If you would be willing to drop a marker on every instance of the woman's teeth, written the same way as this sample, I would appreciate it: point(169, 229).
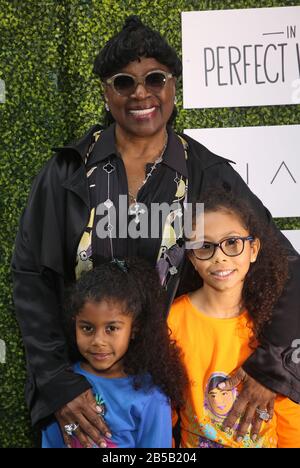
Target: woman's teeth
point(142, 112)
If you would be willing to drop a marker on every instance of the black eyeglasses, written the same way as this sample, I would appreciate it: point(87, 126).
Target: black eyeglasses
point(125, 84)
point(232, 247)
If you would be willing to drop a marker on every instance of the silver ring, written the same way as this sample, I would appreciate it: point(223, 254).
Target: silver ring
point(70, 428)
point(263, 414)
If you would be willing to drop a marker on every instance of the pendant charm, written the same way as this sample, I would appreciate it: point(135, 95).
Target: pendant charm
point(108, 203)
point(136, 210)
point(173, 270)
point(109, 168)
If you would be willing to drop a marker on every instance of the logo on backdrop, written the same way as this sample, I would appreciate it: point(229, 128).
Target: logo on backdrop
point(247, 57)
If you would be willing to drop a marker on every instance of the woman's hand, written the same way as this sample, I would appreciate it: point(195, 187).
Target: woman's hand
point(83, 410)
point(252, 397)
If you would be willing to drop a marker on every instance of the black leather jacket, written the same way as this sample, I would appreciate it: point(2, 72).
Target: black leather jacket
point(44, 260)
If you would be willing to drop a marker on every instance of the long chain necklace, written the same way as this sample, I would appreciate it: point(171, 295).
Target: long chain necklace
point(153, 167)
point(109, 168)
point(134, 207)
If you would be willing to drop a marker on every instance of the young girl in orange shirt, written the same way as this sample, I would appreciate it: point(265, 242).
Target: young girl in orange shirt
point(239, 274)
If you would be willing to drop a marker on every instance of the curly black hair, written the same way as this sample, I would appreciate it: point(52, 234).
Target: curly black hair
point(136, 286)
point(266, 277)
point(134, 41)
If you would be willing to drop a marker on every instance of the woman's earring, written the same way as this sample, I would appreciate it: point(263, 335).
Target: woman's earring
point(175, 100)
point(106, 107)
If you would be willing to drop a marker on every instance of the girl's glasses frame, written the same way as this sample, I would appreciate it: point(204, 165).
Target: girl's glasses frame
point(223, 245)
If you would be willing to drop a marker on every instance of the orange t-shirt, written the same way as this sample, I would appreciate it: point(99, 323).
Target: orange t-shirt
point(212, 349)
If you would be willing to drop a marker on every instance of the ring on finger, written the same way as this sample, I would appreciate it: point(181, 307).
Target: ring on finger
point(71, 428)
point(263, 414)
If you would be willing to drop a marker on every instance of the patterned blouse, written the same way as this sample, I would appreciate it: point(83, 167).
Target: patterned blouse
point(107, 180)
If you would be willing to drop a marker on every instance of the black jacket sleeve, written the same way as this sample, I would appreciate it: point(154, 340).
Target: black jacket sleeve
point(38, 282)
point(273, 363)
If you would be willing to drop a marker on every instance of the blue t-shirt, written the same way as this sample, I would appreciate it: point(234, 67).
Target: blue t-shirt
point(136, 418)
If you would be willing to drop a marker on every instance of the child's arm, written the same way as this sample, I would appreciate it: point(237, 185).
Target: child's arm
point(155, 430)
point(288, 423)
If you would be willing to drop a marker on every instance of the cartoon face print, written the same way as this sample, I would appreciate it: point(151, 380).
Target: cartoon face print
point(219, 402)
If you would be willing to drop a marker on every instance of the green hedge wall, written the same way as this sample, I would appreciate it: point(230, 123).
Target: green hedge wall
point(46, 55)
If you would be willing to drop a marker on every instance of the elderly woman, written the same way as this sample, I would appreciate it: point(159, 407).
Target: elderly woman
point(90, 203)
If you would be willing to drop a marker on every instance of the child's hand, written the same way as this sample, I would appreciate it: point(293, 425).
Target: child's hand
point(83, 411)
point(254, 399)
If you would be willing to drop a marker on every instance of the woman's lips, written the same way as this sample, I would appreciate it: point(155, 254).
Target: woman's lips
point(142, 114)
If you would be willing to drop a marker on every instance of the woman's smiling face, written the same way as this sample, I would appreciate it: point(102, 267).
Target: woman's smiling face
point(143, 113)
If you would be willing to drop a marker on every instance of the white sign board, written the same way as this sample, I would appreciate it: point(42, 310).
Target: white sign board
point(268, 159)
point(294, 238)
point(247, 57)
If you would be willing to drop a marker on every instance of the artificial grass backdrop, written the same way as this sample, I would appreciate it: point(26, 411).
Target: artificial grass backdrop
point(47, 50)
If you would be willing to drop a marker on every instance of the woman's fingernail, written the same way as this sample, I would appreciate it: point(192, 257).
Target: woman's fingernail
point(254, 437)
point(69, 446)
point(108, 435)
point(240, 439)
point(99, 409)
point(222, 385)
point(103, 445)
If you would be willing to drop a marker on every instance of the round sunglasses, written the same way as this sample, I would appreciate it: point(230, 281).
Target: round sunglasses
point(125, 84)
point(232, 247)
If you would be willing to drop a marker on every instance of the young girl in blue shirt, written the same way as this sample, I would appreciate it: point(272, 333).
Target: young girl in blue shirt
point(120, 343)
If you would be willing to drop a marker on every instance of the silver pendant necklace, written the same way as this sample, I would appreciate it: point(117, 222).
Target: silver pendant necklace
point(134, 207)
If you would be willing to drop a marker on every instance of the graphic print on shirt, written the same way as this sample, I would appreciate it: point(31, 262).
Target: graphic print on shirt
point(101, 405)
point(217, 405)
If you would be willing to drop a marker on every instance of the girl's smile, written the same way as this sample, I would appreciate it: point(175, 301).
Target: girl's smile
point(223, 275)
point(100, 356)
point(223, 271)
point(103, 333)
